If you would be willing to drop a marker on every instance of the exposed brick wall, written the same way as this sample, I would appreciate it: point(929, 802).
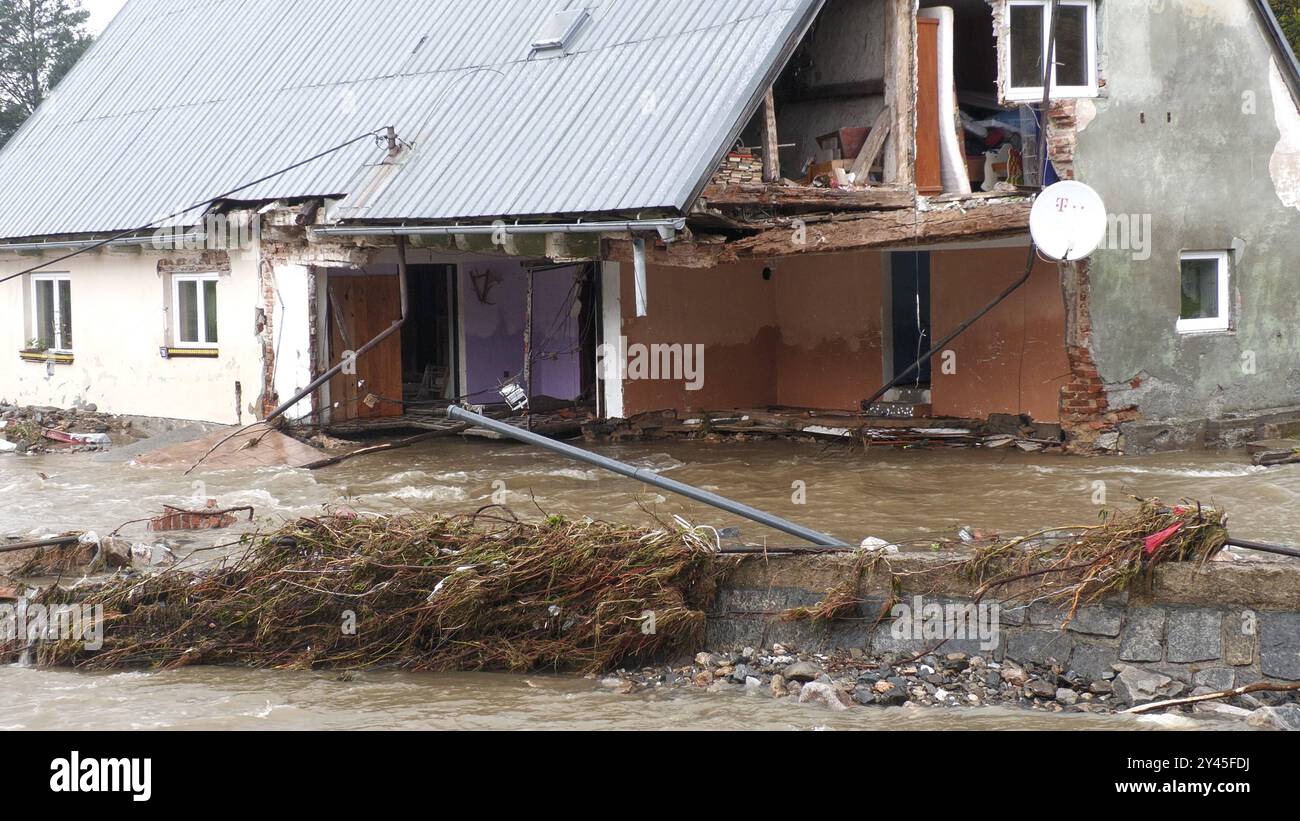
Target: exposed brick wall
point(1090, 422)
point(1063, 136)
point(270, 400)
point(177, 519)
point(197, 262)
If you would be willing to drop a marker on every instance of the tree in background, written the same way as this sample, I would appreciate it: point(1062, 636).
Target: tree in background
point(40, 40)
point(1288, 14)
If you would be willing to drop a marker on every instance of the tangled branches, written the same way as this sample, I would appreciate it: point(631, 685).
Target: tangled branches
point(415, 593)
point(1070, 568)
point(1120, 554)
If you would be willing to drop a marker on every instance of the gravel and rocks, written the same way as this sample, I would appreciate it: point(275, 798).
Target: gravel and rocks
point(850, 680)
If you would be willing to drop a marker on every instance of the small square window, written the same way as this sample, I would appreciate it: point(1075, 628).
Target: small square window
point(1030, 30)
point(1206, 293)
point(560, 29)
point(194, 306)
point(51, 313)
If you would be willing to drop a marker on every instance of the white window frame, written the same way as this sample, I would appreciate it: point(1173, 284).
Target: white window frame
point(177, 323)
point(1021, 94)
point(59, 347)
point(1223, 322)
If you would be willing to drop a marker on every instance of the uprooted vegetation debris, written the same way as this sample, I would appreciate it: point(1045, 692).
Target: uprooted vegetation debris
point(1071, 568)
point(420, 593)
point(471, 593)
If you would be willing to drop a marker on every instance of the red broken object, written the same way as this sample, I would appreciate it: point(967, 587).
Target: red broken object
point(210, 519)
point(1157, 541)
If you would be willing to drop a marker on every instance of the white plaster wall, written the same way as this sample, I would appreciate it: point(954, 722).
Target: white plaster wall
point(119, 316)
point(1284, 166)
point(292, 327)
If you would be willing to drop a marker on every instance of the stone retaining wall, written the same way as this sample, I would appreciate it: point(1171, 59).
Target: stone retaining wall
point(1224, 626)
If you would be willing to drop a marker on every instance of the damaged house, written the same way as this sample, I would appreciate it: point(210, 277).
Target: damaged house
point(763, 213)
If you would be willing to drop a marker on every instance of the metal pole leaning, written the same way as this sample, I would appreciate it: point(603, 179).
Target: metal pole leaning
point(647, 476)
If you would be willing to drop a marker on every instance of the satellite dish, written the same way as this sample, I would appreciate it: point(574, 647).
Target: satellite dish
point(1069, 221)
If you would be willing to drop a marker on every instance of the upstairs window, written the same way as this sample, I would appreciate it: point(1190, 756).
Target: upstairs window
point(1206, 293)
point(52, 313)
point(195, 310)
point(1030, 25)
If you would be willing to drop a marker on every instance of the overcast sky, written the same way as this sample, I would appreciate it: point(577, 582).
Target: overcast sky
point(101, 11)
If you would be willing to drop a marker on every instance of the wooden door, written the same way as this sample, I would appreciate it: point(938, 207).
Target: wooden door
point(929, 152)
point(360, 309)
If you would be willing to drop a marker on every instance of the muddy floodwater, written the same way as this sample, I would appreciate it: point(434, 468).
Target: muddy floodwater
point(903, 496)
point(247, 700)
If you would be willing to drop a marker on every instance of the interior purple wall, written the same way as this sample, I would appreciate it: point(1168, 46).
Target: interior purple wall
point(494, 330)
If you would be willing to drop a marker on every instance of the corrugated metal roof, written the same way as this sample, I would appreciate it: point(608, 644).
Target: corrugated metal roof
point(180, 100)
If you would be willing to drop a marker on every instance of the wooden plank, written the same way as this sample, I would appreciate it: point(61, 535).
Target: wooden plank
point(771, 141)
point(929, 146)
point(794, 198)
point(875, 144)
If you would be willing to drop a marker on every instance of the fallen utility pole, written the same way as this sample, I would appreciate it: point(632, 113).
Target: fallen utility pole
point(646, 475)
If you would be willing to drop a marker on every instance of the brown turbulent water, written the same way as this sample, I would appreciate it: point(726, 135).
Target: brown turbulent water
point(888, 494)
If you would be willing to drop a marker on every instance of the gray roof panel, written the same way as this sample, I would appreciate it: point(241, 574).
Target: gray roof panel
point(180, 100)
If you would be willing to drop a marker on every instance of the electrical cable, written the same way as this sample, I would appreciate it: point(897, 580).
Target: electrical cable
point(205, 204)
point(1049, 67)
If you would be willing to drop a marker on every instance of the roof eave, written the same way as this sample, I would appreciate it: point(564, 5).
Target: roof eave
point(1285, 53)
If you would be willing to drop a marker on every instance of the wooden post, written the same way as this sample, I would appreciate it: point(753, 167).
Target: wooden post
point(771, 143)
point(900, 90)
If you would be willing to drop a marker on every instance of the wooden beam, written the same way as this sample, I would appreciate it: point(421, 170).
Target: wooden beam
point(802, 199)
point(771, 141)
point(60, 541)
point(960, 221)
point(964, 221)
point(681, 254)
point(900, 89)
point(875, 144)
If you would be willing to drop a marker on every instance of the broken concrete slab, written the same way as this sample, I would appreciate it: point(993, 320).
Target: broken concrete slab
point(251, 449)
point(1275, 452)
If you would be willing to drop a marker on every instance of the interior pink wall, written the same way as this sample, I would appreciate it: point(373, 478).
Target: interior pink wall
point(494, 330)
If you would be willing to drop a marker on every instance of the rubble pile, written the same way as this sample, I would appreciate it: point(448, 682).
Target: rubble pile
point(53, 430)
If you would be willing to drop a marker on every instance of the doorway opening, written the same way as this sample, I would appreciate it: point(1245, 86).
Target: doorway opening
point(430, 338)
point(912, 333)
